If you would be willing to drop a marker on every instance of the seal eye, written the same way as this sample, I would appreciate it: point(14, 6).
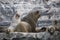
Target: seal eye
point(37, 11)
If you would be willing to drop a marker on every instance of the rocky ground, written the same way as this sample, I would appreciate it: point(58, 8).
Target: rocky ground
point(8, 9)
point(30, 36)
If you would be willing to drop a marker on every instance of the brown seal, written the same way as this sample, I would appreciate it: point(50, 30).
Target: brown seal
point(28, 23)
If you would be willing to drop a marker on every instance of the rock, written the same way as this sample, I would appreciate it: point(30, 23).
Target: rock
point(30, 36)
point(4, 23)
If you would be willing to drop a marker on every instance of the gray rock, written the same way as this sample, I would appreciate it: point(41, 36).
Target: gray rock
point(9, 7)
point(30, 36)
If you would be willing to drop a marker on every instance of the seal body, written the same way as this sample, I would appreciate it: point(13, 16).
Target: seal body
point(23, 27)
point(28, 23)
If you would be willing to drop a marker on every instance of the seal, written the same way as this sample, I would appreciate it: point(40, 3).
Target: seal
point(28, 23)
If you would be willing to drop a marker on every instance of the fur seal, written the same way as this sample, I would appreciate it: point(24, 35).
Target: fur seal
point(28, 23)
point(16, 20)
